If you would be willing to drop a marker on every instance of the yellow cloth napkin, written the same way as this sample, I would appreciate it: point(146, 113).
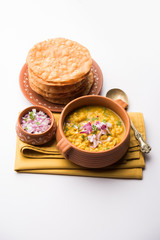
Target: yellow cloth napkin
point(47, 158)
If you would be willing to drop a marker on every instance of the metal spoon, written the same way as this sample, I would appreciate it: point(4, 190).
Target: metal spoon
point(115, 94)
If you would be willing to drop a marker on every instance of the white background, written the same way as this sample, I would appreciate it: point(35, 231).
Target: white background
point(124, 39)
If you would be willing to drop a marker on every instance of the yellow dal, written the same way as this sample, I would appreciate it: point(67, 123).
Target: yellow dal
point(74, 122)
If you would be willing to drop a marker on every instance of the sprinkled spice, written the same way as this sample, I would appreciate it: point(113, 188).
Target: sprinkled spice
point(35, 122)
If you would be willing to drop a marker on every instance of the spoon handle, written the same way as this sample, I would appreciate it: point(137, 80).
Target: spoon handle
point(145, 148)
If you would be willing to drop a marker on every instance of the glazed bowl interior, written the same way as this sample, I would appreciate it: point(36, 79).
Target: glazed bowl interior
point(38, 108)
point(96, 101)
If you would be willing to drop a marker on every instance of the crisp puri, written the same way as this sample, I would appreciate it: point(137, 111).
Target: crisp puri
point(50, 88)
point(60, 70)
point(59, 60)
point(67, 100)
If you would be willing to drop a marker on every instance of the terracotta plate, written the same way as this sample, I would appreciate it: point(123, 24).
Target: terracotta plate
point(36, 99)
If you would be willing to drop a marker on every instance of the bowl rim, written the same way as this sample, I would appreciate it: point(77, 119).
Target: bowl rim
point(60, 124)
point(44, 109)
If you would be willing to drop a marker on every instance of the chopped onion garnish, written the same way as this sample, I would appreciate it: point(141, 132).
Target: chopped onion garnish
point(92, 129)
point(87, 128)
point(93, 139)
point(109, 139)
point(109, 125)
point(35, 122)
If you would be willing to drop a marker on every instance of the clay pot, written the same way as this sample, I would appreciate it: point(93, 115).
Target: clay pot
point(36, 139)
point(93, 159)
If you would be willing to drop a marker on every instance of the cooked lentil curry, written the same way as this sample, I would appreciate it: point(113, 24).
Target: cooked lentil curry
point(94, 128)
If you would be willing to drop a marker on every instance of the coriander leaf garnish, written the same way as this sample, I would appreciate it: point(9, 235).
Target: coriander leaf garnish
point(106, 114)
point(119, 123)
point(31, 115)
point(83, 136)
point(94, 118)
point(94, 129)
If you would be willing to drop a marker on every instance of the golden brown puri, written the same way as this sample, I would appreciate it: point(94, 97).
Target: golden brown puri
point(67, 100)
point(59, 60)
point(55, 88)
point(60, 70)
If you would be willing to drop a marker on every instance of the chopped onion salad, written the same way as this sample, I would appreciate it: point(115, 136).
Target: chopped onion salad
point(94, 128)
point(35, 122)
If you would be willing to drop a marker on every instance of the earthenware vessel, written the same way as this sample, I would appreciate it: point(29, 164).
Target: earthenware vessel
point(93, 159)
point(36, 139)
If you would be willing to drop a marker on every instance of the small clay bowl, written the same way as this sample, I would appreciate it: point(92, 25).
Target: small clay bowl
point(93, 159)
point(36, 139)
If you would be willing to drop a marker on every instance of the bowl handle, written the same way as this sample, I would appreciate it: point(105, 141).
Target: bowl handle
point(64, 147)
point(122, 103)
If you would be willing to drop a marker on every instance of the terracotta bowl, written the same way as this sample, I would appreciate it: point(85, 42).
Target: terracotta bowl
point(36, 139)
point(93, 159)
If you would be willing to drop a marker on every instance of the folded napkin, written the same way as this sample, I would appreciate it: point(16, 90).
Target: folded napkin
point(47, 158)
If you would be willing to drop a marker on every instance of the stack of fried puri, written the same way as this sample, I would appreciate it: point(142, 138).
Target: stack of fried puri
point(60, 70)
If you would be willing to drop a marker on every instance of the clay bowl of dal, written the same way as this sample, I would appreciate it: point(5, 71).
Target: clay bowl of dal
point(36, 125)
point(92, 140)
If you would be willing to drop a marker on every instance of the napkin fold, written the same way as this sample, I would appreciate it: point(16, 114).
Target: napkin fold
point(47, 159)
